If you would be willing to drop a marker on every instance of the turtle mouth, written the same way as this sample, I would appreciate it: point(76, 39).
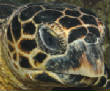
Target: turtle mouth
point(44, 77)
point(58, 79)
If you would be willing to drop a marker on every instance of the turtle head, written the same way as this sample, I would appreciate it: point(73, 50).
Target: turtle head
point(59, 51)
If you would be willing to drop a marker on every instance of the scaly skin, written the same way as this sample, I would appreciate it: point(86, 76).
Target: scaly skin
point(8, 80)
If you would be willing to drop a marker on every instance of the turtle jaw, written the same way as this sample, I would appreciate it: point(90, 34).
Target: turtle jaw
point(48, 78)
point(52, 79)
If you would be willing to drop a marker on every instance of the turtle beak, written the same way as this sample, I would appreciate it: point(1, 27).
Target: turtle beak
point(49, 77)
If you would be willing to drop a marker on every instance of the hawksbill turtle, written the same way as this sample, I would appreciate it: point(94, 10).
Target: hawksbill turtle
point(48, 45)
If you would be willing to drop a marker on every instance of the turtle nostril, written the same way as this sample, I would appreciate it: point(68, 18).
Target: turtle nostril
point(46, 78)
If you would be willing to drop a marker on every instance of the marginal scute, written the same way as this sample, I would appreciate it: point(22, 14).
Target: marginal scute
point(16, 28)
point(27, 45)
point(69, 22)
point(24, 62)
point(76, 33)
point(29, 28)
point(87, 19)
point(72, 13)
point(48, 16)
point(27, 13)
point(40, 57)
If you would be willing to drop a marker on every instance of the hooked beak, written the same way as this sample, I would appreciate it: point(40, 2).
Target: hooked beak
point(49, 77)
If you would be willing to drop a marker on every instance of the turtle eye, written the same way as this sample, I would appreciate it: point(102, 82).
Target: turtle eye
point(49, 39)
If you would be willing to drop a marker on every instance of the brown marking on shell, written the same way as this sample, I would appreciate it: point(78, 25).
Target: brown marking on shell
point(87, 69)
